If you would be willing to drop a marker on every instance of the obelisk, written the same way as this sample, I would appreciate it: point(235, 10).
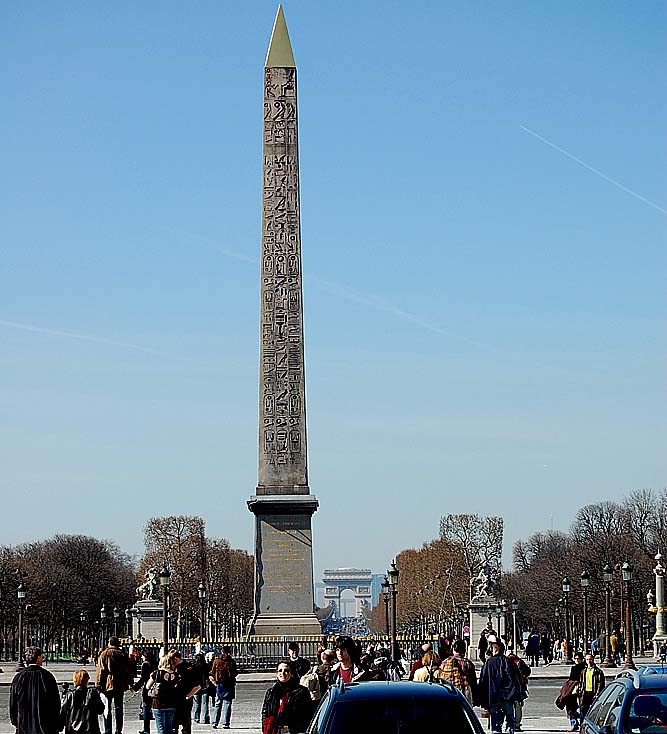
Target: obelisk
point(283, 506)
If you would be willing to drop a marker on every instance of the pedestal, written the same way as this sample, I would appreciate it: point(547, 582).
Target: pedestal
point(151, 620)
point(284, 603)
point(479, 610)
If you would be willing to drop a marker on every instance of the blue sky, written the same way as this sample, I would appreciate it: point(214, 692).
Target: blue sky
point(483, 216)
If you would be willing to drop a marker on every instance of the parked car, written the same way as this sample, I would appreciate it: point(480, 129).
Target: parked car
point(389, 707)
point(633, 703)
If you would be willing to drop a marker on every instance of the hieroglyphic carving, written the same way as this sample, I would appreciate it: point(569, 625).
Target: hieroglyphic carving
point(282, 415)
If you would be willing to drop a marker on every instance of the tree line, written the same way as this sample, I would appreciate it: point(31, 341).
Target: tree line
point(68, 579)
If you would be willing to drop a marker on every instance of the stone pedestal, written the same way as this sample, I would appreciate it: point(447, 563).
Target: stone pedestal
point(284, 603)
point(479, 610)
point(151, 620)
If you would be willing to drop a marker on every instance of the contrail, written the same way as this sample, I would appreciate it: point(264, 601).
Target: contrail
point(604, 176)
point(95, 339)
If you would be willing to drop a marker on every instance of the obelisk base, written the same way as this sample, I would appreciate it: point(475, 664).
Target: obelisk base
point(284, 565)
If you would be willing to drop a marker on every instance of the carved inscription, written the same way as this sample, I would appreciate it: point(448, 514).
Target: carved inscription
point(282, 440)
point(286, 561)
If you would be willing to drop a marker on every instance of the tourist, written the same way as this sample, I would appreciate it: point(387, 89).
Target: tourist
point(34, 698)
point(201, 671)
point(223, 675)
point(460, 672)
point(147, 667)
point(567, 698)
point(81, 707)
point(417, 657)
point(499, 688)
point(187, 685)
point(524, 674)
point(115, 675)
point(300, 665)
point(430, 662)
point(347, 668)
point(287, 704)
point(591, 682)
point(323, 670)
point(163, 691)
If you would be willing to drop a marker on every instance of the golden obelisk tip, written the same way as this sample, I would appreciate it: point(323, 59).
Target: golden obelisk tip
point(280, 48)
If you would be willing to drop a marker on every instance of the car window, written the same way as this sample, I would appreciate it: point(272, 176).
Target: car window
point(319, 714)
point(411, 716)
point(614, 714)
point(598, 711)
point(648, 713)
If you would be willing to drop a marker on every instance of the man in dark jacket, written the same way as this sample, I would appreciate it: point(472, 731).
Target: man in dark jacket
point(34, 698)
point(300, 665)
point(591, 682)
point(223, 674)
point(115, 674)
point(499, 687)
point(189, 682)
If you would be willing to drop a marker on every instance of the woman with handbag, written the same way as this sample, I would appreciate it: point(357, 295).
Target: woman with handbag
point(163, 690)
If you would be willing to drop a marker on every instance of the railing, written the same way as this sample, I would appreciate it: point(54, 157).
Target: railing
point(260, 653)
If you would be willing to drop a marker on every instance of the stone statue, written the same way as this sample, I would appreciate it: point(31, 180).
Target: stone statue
point(484, 584)
point(149, 589)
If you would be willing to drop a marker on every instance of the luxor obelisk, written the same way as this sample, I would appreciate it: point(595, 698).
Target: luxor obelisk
point(283, 506)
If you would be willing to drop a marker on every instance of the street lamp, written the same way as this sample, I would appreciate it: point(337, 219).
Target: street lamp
point(626, 573)
point(164, 583)
point(392, 575)
point(201, 592)
point(136, 612)
point(585, 580)
point(116, 617)
point(500, 609)
point(565, 585)
point(557, 616)
point(21, 595)
point(515, 607)
point(128, 621)
point(607, 576)
point(103, 623)
point(385, 596)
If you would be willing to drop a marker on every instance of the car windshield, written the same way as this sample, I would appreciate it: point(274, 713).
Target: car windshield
point(400, 717)
point(648, 713)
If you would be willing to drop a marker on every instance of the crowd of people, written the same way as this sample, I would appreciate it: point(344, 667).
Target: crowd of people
point(175, 691)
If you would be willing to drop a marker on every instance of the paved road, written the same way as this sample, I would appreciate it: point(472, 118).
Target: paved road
point(540, 714)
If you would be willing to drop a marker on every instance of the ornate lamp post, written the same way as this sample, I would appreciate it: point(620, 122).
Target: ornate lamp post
point(165, 575)
point(660, 608)
point(21, 595)
point(585, 580)
point(565, 585)
point(515, 608)
point(116, 619)
point(607, 576)
point(201, 593)
point(103, 624)
point(385, 596)
point(557, 617)
point(128, 621)
point(626, 572)
point(136, 613)
point(392, 575)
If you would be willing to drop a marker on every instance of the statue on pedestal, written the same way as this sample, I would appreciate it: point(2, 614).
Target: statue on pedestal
point(149, 589)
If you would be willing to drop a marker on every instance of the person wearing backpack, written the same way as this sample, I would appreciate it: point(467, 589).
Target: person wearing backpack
point(223, 675)
point(524, 674)
point(499, 687)
point(81, 707)
point(163, 690)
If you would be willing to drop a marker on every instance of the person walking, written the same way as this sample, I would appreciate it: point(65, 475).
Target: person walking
point(186, 686)
point(460, 672)
point(223, 675)
point(287, 704)
point(115, 675)
point(201, 672)
point(81, 707)
point(347, 668)
point(163, 691)
point(430, 663)
point(591, 682)
point(499, 688)
point(300, 665)
point(34, 698)
point(524, 674)
point(147, 667)
point(568, 698)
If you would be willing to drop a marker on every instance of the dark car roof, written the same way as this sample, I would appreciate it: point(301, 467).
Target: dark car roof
point(397, 690)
